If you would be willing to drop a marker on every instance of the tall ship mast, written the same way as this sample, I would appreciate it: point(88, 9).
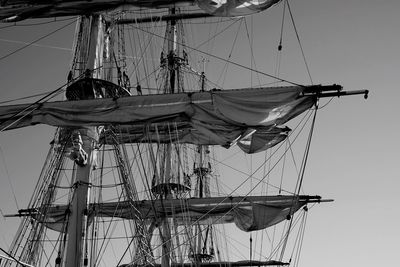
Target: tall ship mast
point(131, 177)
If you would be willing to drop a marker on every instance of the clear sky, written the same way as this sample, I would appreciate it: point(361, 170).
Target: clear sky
point(354, 154)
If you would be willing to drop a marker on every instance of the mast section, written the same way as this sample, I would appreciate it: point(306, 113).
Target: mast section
point(93, 43)
point(86, 139)
point(172, 180)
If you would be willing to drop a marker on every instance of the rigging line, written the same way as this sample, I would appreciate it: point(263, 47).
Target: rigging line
point(266, 190)
point(35, 24)
point(103, 245)
point(306, 117)
point(232, 241)
point(194, 223)
point(13, 258)
point(37, 40)
point(37, 45)
point(22, 111)
point(253, 59)
point(239, 242)
point(283, 167)
point(246, 195)
point(26, 97)
point(247, 174)
point(293, 157)
point(300, 181)
point(54, 245)
point(298, 184)
point(279, 52)
point(224, 60)
point(153, 207)
point(8, 26)
point(307, 149)
point(298, 39)
point(140, 52)
point(37, 103)
point(326, 104)
point(297, 236)
point(211, 38)
point(240, 185)
point(261, 180)
point(283, 21)
point(230, 52)
point(8, 177)
point(282, 240)
point(303, 230)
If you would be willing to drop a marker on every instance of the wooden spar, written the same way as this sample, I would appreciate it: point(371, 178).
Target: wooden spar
point(331, 91)
point(167, 203)
point(169, 17)
point(217, 264)
point(344, 93)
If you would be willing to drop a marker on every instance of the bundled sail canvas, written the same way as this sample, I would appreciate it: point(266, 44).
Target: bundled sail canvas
point(13, 10)
point(204, 118)
point(249, 213)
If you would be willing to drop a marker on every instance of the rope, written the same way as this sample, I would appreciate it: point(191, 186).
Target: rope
point(37, 40)
point(23, 98)
point(37, 45)
point(283, 20)
point(298, 39)
point(225, 60)
point(301, 178)
point(35, 24)
point(8, 178)
point(225, 69)
point(35, 105)
point(307, 149)
point(12, 257)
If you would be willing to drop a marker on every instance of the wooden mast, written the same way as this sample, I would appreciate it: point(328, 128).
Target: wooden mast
point(75, 255)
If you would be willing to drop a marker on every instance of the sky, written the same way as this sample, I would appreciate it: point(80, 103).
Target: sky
point(354, 155)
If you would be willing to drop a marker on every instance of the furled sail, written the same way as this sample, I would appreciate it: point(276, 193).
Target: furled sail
point(216, 264)
point(16, 10)
point(206, 118)
point(227, 8)
point(250, 213)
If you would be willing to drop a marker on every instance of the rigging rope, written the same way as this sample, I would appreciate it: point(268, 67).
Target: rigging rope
point(37, 40)
point(223, 59)
point(37, 45)
point(298, 39)
point(33, 106)
point(291, 220)
point(283, 20)
point(300, 180)
point(53, 20)
point(301, 239)
point(22, 98)
point(225, 69)
point(283, 240)
point(8, 177)
point(253, 59)
point(306, 153)
point(279, 52)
